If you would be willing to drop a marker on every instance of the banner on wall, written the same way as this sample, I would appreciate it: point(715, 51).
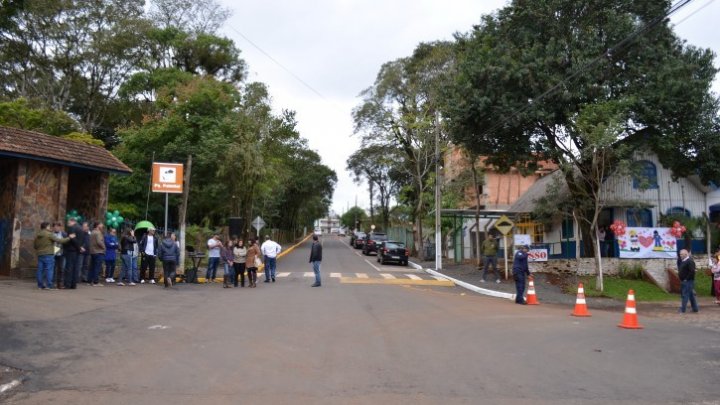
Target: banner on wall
point(647, 243)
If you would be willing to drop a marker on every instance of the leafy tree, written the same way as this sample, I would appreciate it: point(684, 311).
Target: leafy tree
point(353, 218)
point(22, 114)
point(71, 55)
point(399, 113)
point(377, 164)
point(196, 16)
point(513, 57)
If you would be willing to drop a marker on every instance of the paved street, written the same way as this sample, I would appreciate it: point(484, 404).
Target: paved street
point(399, 337)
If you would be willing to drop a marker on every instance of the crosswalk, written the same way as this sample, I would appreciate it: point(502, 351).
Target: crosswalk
point(371, 278)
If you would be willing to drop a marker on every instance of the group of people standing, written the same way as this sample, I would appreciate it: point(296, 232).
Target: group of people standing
point(238, 259)
point(76, 254)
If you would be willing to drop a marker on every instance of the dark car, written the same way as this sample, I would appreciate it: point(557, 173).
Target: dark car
point(391, 251)
point(371, 241)
point(357, 240)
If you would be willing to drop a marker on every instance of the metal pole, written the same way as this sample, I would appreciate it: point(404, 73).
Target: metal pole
point(166, 212)
point(438, 235)
point(147, 201)
point(505, 253)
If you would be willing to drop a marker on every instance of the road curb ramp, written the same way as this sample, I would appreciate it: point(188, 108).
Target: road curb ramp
point(531, 296)
point(630, 321)
point(580, 303)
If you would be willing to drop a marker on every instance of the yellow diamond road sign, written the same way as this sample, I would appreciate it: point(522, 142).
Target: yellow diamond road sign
point(504, 225)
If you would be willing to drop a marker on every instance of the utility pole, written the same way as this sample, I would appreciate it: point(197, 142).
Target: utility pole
point(183, 212)
point(438, 235)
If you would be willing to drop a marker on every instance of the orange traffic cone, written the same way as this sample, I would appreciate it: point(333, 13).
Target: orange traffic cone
point(631, 320)
point(580, 305)
point(531, 297)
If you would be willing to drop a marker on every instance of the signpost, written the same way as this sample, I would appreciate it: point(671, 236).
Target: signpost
point(258, 223)
point(505, 225)
point(167, 178)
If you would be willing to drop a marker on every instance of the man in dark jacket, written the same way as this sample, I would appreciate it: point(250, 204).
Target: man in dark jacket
point(148, 251)
point(315, 259)
point(686, 272)
point(72, 253)
point(520, 270)
point(169, 255)
point(84, 260)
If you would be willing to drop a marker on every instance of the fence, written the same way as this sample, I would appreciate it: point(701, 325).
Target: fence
point(401, 234)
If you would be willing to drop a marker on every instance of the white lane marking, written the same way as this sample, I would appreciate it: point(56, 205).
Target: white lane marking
point(387, 276)
point(372, 265)
point(158, 327)
point(440, 278)
point(7, 387)
point(283, 274)
point(413, 277)
point(336, 275)
point(358, 254)
point(361, 275)
point(309, 274)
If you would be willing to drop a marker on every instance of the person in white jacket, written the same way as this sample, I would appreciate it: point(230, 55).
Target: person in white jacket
point(270, 250)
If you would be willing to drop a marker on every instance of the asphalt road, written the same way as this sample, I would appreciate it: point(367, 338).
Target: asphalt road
point(340, 343)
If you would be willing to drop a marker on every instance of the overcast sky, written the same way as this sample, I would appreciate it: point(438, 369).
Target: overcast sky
point(336, 47)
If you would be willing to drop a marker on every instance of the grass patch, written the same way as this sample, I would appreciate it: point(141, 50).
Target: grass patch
point(618, 288)
point(702, 283)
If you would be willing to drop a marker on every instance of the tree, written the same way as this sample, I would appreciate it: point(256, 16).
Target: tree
point(196, 16)
point(71, 55)
point(22, 114)
point(507, 62)
point(398, 113)
point(353, 218)
point(377, 164)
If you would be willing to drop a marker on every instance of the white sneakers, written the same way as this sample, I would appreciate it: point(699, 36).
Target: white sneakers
point(498, 281)
point(152, 281)
point(120, 284)
point(131, 284)
point(142, 281)
point(109, 280)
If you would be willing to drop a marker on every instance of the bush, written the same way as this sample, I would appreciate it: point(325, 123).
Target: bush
point(630, 272)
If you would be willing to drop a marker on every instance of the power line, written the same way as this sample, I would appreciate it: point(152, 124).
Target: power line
point(693, 13)
point(275, 61)
point(607, 54)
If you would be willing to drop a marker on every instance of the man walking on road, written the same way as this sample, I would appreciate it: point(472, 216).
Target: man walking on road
point(214, 245)
point(315, 259)
point(270, 250)
point(489, 251)
point(520, 270)
point(686, 272)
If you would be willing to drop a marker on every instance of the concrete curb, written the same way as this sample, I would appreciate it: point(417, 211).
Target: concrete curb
point(468, 286)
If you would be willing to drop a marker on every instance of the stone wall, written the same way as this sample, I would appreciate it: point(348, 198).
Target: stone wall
point(654, 269)
point(88, 194)
point(39, 192)
point(8, 185)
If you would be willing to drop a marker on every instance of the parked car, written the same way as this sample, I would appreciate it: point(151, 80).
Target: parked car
point(341, 232)
point(318, 231)
point(371, 241)
point(357, 240)
point(392, 251)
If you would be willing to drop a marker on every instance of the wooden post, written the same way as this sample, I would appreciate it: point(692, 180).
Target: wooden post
point(183, 214)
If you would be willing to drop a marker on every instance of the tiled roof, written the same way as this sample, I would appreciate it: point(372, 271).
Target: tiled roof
point(36, 146)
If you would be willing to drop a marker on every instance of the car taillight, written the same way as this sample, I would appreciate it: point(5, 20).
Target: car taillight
point(407, 252)
point(370, 242)
point(385, 250)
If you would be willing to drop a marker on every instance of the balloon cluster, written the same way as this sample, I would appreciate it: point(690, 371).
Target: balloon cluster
point(618, 227)
point(73, 214)
point(677, 229)
point(114, 219)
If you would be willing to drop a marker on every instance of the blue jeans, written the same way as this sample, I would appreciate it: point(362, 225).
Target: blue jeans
point(229, 271)
point(129, 269)
point(46, 267)
point(96, 262)
point(687, 292)
point(109, 268)
point(212, 268)
point(487, 261)
point(270, 266)
point(316, 269)
point(519, 287)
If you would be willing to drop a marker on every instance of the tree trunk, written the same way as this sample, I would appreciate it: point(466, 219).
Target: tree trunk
point(183, 214)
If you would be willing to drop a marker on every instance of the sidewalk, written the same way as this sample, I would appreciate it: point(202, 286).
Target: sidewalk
point(549, 293)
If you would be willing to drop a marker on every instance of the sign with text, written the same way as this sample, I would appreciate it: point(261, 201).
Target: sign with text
point(538, 255)
point(647, 243)
point(167, 178)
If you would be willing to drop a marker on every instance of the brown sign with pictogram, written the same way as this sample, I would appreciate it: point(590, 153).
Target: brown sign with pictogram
point(167, 178)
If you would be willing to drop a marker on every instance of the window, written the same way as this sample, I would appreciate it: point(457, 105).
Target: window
point(646, 177)
point(679, 211)
point(639, 217)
